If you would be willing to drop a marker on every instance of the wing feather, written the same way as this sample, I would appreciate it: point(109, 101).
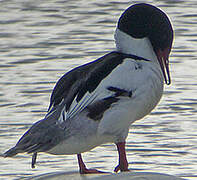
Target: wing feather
point(76, 88)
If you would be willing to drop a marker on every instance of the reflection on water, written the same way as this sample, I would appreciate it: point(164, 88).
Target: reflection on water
point(41, 40)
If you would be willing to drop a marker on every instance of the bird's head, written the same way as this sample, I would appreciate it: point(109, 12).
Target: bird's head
point(144, 20)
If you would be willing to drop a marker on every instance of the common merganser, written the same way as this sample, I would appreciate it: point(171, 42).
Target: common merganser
point(96, 103)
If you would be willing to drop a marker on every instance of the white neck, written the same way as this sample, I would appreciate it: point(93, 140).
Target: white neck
point(139, 47)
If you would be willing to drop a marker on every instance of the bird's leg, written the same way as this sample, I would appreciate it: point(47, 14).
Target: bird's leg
point(83, 169)
point(123, 164)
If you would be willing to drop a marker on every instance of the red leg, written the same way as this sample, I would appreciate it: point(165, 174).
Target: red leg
point(123, 164)
point(83, 169)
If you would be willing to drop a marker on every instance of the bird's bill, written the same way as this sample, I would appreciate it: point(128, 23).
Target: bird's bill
point(162, 56)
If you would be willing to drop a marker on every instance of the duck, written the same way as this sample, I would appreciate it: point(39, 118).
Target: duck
point(97, 102)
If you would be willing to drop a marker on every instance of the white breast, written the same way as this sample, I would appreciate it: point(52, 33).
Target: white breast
point(146, 84)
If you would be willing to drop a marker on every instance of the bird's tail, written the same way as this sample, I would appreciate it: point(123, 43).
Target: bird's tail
point(11, 152)
point(14, 151)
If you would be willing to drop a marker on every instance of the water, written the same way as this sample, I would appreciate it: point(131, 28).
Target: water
point(41, 40)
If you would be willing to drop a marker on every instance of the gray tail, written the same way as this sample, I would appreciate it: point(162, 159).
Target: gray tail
point(11, 152)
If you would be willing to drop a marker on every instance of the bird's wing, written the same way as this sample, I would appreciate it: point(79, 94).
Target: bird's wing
point(79, 88)
point(82, 88)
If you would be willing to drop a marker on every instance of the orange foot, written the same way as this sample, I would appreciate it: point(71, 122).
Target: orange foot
point(119, 168)
point(90, 171)
point(83, 169)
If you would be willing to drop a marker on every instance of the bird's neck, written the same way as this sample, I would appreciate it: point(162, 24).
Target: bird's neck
point(139, 47)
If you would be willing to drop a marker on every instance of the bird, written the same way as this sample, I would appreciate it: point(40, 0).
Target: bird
point(96, 103)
